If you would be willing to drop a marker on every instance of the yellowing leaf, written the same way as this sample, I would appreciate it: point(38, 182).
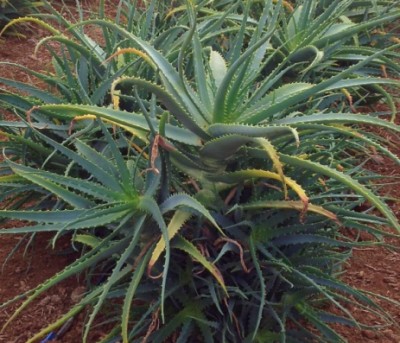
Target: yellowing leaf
point(295, 205)
point(178, 219)
point(183, 244)
point(131, 51)
point(273, 154)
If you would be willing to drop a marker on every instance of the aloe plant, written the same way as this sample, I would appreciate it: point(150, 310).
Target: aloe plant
point(213, 178)
point(10, 10)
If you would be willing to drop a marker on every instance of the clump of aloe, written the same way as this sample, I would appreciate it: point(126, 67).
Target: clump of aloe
point(204, 158)
point(10, 10)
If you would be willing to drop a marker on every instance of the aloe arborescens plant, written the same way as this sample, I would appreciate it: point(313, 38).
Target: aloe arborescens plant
point(230, 166)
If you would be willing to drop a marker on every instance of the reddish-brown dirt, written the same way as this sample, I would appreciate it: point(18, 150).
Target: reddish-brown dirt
point(26, 270)
point(373, 269)
point(377, 269)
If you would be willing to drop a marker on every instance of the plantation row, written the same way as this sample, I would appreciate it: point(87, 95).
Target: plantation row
point(205, 157)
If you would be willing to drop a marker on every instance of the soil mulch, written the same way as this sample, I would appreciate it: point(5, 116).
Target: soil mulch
point(373, 269)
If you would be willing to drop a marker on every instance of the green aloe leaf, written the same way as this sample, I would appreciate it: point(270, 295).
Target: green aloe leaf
point(339, 118)
point(120, 267)
point(150, 206)
point(295, 205)
point(68, 196)
point(82, 186)
point(121, 118)
point(268, 131)
point(346, 180)
point(130, 293)
point(183, 244)
point(169, 101)
point(33, 91)
point(179, 218)
point(218, 67)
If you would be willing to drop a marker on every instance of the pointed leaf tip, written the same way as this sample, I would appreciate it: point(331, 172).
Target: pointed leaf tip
point(218, 67)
